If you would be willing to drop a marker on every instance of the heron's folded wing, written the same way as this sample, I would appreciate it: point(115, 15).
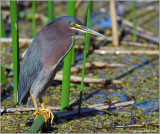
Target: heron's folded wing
point(30, 68)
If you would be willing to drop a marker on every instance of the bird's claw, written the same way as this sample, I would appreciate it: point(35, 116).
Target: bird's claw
point(47, 114)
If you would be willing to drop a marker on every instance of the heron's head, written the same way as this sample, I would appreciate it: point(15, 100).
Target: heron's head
point(76, 26)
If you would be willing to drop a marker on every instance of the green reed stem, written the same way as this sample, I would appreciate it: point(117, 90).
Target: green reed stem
point(15, 46)
point(90, 4)
point(134, 21)
point(84, 61)
point(37, 124)
point(3, 77)
point(67, 66)
point(71, 12)
point(73, 52)
point(33, 19)
point(50, 10)
point(3, 34)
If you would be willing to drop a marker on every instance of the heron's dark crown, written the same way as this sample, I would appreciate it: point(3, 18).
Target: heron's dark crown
point(67, 19)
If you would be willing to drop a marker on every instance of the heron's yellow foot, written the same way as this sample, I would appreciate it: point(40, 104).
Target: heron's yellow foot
point(36, 113)
point(47, 114)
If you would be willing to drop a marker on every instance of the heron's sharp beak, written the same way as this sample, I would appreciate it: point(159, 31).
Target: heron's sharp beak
point(87, 30)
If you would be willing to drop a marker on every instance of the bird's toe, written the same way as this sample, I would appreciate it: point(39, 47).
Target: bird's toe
point(47, 114)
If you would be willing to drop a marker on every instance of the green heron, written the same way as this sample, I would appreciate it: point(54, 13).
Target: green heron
point(42, 58)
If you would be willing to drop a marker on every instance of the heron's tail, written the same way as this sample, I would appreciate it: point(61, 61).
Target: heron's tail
point(24, 100)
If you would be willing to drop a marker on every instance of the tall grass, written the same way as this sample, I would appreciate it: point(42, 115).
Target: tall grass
point(134, 21)
point(87, 40)
point(3, 76)
point(33, 19)
point(51, 10)
point(15, 46)
point(90, 4)
point(67, 66)
point(3, 34)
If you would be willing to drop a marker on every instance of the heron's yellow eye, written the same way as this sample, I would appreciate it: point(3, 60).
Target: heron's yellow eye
point(75, 25)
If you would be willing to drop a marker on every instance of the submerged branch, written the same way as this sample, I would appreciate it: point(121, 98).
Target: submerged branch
point(147, 52)
point(94, 64)
point(77, 79)
point(10, 110)
point(137, 44)
point(130, 25)
point(143, 35)
point(66, 113)
point(137, 126)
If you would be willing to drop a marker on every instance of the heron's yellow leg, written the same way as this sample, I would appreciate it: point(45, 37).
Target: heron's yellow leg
point(36, 113)
point(47, 112)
